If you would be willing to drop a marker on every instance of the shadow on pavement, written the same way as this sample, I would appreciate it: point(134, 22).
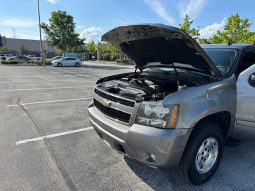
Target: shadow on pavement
point(158, 179)
point(236, 172)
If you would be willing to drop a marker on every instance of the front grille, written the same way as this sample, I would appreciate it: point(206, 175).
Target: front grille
point(113, 113)
point(115, 99)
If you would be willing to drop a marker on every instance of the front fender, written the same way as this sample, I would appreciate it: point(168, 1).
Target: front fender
point(199, 102)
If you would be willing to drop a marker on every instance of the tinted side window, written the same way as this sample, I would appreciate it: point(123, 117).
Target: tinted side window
point(247, 61)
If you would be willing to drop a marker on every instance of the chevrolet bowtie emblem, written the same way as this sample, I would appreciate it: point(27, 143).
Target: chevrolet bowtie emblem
point(107, 103)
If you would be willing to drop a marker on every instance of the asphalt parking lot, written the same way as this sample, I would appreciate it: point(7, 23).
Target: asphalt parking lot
point(46, 142)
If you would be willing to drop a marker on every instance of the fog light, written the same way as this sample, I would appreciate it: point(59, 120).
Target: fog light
point(153, 157)
point(150, 157)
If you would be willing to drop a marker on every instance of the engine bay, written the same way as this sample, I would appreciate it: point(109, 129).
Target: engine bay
point(148, 86)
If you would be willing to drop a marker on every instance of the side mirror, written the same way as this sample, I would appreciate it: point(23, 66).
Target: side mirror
point(252, 80)
point(253, 77)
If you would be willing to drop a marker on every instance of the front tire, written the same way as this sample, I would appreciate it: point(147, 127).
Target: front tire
point(77, 64)
point(202, 154)
point(59, 64)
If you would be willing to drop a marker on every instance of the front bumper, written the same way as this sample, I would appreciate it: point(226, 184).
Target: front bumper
point(53, 63)
point(139, 142)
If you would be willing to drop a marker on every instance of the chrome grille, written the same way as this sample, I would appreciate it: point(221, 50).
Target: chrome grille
point(115, 99)
point(113, 113)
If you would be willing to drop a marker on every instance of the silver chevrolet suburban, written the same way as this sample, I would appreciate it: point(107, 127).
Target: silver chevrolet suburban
point(181, 104)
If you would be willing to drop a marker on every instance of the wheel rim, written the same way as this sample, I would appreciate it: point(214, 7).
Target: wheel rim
point(207, 155)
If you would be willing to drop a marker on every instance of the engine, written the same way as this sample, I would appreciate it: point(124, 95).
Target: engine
point(147, 86)
point(138, 88)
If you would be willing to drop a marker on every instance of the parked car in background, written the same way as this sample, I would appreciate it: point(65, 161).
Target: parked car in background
point(182, 103)
point(5, 56)
point(67, 61)
point(54, 58)
point(33, 57)
point(71, 54)
point(93, 58)
point(19, 58)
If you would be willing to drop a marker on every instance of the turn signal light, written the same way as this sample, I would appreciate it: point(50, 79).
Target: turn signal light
point(173, 116)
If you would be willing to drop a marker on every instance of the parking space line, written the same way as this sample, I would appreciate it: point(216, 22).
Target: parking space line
point(53, 135)
point(51, 101)
point(78, 74)
point(38, 81)
point(29, 89)
point(42, 76)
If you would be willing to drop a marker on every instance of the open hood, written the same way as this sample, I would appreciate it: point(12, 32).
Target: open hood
point(155, 43)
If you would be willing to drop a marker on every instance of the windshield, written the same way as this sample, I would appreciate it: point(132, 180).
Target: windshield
point(222, 58)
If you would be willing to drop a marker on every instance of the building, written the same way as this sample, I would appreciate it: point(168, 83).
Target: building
point(32, 46)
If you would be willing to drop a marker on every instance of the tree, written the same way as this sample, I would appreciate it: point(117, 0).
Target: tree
point(60, 32)
point(107, 51)
point(91, 47)
point(251, 38)
point(186, 26)
point(112, 49)
point(203, 41)
point(4, 50)
point(235, 31)
point(22, 50)
point(102, 50)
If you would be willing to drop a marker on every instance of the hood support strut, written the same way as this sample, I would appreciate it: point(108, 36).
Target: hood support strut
point(177, 75)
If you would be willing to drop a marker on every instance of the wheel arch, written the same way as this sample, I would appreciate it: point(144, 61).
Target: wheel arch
point(223, 119)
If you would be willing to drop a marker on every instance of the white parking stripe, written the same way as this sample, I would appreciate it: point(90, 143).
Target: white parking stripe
point(38, 81)
point(44, 76)
point(29, 89)
point(78, 74)
point(53, 135)
point(51, 101)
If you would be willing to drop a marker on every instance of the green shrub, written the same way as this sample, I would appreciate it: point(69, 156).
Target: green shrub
point(124, 61)
point(39, 62)
point(9, 62)
point(45, 62)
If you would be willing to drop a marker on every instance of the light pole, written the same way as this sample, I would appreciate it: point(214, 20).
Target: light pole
point(39, 22)
point(16, 44)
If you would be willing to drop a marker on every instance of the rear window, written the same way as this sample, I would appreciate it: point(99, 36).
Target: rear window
point(223, 58)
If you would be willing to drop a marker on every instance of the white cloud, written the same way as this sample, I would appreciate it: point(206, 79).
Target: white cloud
point(53, 1)
point(192, 8)
point(19, 22)
point(160, 10)
point(210, 30)
point(91, 33)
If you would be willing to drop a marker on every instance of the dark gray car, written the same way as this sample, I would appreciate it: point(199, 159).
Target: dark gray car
point(182, 102)
point(19, 58)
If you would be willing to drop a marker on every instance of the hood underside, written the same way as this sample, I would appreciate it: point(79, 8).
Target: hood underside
point(155, 43)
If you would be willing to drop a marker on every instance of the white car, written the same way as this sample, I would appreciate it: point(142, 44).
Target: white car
point(33, 57)
point(67, 61)
point(54, 58)
point(5, 56)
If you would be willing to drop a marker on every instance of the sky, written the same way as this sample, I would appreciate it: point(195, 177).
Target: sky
point(95, 17)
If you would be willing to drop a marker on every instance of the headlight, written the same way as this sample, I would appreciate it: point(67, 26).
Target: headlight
point(157, 115)
point(147, 110)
